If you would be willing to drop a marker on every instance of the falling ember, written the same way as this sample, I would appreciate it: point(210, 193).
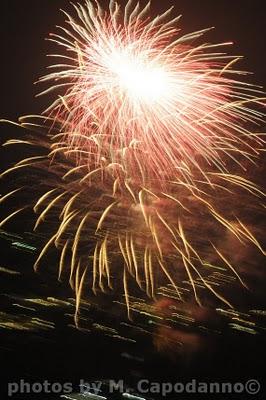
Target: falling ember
point(145, 136)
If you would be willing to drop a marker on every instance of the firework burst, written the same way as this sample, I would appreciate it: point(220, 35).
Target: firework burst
point(142, 137)
point(145, 100)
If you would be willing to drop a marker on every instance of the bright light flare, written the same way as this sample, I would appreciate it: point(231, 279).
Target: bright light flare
point(141, 80)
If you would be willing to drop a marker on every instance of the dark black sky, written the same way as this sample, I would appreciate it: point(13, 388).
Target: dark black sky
point(26, 23)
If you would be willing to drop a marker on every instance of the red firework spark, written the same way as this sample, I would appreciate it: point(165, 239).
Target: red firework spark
point(145, 100)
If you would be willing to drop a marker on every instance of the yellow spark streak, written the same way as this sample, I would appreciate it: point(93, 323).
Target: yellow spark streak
point(206, 284)
point(182, 236)
point(128, 254)
point(95, 257)
point(66, 221)
point(251, 237)
point(79, 294)
point(177, 201)
point(126, 294)
point(135, 262)
point(242, 182)
point(142, 206)
point(130, 191)
point(15, 168)
point(101, 268)
point(166, 224)
point(2, 223)
point(42, 198)
point(66, 209)
point(146, 270)
point(186, 261)
point(151, 276)
point(16, 141)
point(228, 65)
point(73, 170)
point(154, 234)
point(123, 251)
point(44, 250)
point(2, 199)
point(106, 263)
point(169, 277)
point(229, 265)
point(75, 246)
point(104, 215)
point(62, 260)
point(227, 224)
point(115, 186)
point(26, 160)
point(90, 174)
point(48, 208)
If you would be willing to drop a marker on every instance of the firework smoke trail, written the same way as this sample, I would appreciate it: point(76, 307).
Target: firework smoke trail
point(140, 142)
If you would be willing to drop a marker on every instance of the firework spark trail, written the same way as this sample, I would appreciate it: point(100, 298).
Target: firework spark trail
point(140, 98)
point(139, 146)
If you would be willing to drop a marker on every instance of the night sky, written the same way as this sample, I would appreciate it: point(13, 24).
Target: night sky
point(24, 26)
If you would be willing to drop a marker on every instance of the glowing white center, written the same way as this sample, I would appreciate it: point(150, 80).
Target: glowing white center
point(142, 80)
